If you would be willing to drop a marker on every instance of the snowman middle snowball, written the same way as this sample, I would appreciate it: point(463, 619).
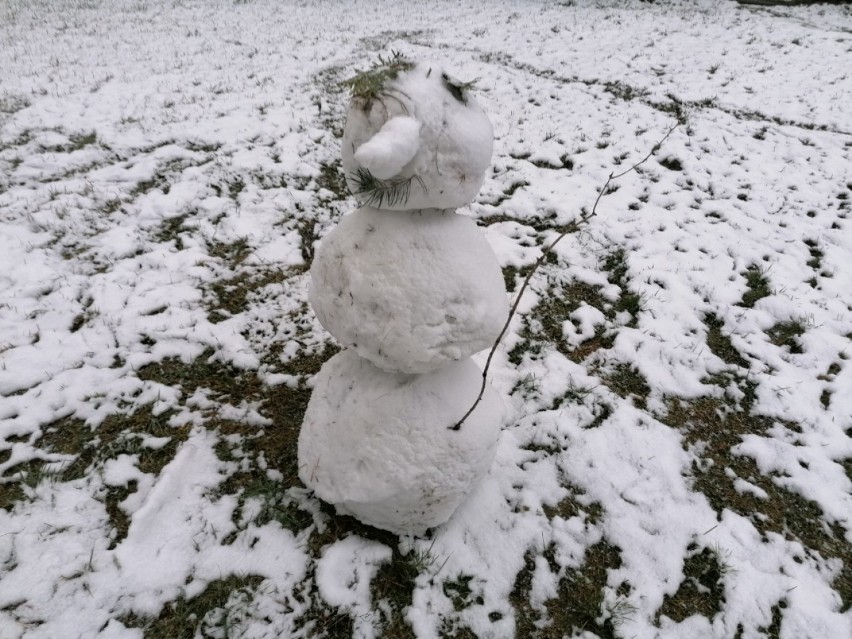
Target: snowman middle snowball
point(409, 291)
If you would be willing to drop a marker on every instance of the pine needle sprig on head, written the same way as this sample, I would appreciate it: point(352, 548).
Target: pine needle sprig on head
point(371, 84)
point(375, 192)
point(457, 88)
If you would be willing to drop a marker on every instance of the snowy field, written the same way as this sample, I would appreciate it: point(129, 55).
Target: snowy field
point(677, 460)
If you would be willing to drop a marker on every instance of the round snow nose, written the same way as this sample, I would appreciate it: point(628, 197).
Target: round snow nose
point(386, 153)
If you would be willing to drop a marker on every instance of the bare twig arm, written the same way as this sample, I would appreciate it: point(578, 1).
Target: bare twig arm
point(574, 226)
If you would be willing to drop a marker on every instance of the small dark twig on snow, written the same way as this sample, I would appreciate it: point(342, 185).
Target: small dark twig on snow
point(571, 228)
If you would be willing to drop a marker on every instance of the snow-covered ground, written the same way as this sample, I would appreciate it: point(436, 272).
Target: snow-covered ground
point(678, 457)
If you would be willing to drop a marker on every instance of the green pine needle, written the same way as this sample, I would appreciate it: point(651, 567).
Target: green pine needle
point(370, 85)
point(459, 90)
point(376, 192)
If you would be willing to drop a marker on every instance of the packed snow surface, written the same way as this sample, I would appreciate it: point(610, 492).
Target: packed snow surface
point(381, 446)
point(411, 291)
point(676, 456)
point(442, 169)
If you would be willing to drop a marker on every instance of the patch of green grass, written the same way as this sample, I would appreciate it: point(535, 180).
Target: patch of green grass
point(727, 379)
point(332, 179)
point(702, 590)
point(284, 406)
point(720, 344)
point(392, 589)
point(87, 314)
point(833, 369)
point(451, 630)
point(674, 107)
point(545, 222)
point(579, 604)
point(528, 618)
point(111, 205)
point(231, 296)
point(603, 412)
point(24, 137)
point(459, 592)
point(758, 286)
point(616, 265)
point(12, 492)
point(163, 176)
point(118, 434)
point(624, 91)
point(328, 101)
point(569, 507)
point(307, 234)
point(233, 186)
point(74, 437)
point(12, 103)
point(543, 324)
point(512, 273)
point(119, 520)
point(81, 140)
point(773, 630)
point(232, 253)
point(158, 181)
point(80, 321)
point(601, 340)
point(816, 255)
point(556, 309)
point(671, 163)
point(122, 434)
point(236, 186)
point(786, 334)
point(717, 427)
point(201, 615)
point(309, 362)
point(573, 394)
point(170, 231)
point(91, 447)
point(324, 622)
point(547, 164)
point(508, 192)
point(628, 381)
point(255, 484)
point(276, 444)
point(199, 146)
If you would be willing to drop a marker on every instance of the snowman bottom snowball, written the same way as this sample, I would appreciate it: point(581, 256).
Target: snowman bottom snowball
point(378, 445)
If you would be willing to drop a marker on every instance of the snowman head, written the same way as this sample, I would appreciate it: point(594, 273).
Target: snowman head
point(414, 138)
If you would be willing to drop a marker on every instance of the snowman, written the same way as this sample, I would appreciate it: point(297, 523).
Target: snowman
point(411, 289)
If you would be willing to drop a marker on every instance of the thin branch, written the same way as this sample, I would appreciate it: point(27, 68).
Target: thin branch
point(571, 228)
point(653, 150)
